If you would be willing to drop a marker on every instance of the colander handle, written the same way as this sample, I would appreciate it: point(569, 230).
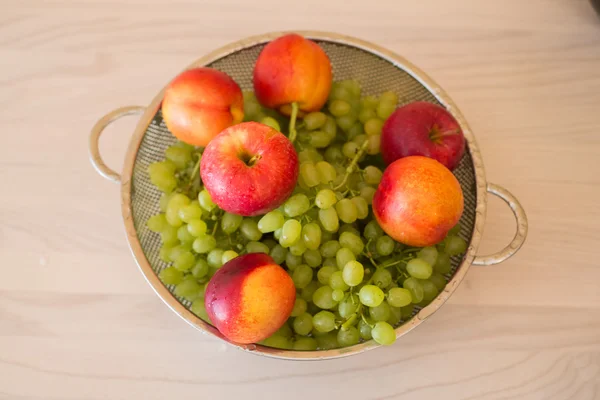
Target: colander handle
point(97, 130)
point(522, 227)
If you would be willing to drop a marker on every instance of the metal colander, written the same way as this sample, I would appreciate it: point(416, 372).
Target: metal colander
point(377, 70)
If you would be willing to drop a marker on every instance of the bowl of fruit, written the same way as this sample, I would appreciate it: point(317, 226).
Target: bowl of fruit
point(304, 195)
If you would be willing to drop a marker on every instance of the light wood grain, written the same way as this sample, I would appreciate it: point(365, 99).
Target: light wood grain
point(77, 320)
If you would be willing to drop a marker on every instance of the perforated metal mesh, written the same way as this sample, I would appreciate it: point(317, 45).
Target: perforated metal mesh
point(375, 75)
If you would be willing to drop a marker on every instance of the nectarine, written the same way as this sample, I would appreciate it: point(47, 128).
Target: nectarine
point(249, 298)
point(418, 201)
point(201, 102)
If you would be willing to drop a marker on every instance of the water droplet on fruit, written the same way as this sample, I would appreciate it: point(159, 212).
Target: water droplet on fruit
point(251, 347)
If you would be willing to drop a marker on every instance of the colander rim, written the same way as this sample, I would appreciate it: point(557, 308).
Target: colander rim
point(399, 62)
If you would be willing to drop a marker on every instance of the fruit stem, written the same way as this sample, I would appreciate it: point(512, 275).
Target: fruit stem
point(352, 165)
point(293, 117)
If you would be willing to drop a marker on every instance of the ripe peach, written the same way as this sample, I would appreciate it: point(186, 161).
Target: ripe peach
point(249, 298)
point(201, 102)
point(292, 69)
point(418, 201)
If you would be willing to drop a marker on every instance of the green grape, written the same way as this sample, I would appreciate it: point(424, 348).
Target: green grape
point(271, 221)
point(272, 122)
point(383, 333)
point(185, 261)
point(373, 126)
point(326, 171)
point(389, 97)
point(366, 114)
point(330, 248)
point(352, 241)
point(337, 108)
point(197, 227)
point(372, 175)
point(415, 288)
point(367, 193)
point(325, 273)
point(249, 229)
point(399, 297)
point(326, 235)
point(278, 253)
point(442, 264)
point(311, 235)
point(298, 248)
point(319, 139)
point(371, 295)
point(206, 201)
point(200, 269)
point(372, 230)
point(299, 307)
point(385, 109)
point(278, 342)
point(337, 295)
point(309, 174)
point(330, 127)
point(188, 288)
point(362, 208)
point(395, 316)
point(228, 255)
point(455, 245)
point(348, 337)
point(164, 201)
point(308, 291)
point(164, 253)
point(313, 258)
point(296, 205)
point(204, 244)
point(157, 223)
point(323, 299)
point(346, 211)
point(198, 307)
point(364, 330)
point(327, 341)
point(305, 344)
point(430, 290)
point(407, 311)
point(336, 281)
point(284, 331)
point(184, 235)
point(343, 257)
point(428, 254)
point(257, 247)
point(277, 233)
point(385, 245)
point(352, 86)
point(360, 138)
point(353, 273)
point(369, 102)
point(190, 212)
point(314, 120)
point(380, 313)
point(345, 122)
point(374, 146)
point(330, 262)
point(329, 219)
point(356, 131)
point(162, 176)
point(382, 277)
point(349, 149)
point(418, 268)
point(455, 230)
point(176, 202)
point(325, 198)
point(302, 276)
point(292, 261)
point(334, 155)
point(215, 258)
point(438, 280)
point(230, 222)
point(170, 276)
point(324, 321)
point(348, 306)
point(177, 251)
point(303, 324)
point(270, 243)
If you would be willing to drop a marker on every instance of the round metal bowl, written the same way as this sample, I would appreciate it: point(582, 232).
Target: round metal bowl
point(377, 70)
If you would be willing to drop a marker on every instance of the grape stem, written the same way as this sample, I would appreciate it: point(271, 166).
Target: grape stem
point(292, 126)
point(352, 165)
point(193, 174)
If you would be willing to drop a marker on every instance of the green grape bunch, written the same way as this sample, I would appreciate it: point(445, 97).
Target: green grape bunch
point(354, 283)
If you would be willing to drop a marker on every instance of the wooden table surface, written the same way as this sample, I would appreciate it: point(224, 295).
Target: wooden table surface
point(78, 321)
